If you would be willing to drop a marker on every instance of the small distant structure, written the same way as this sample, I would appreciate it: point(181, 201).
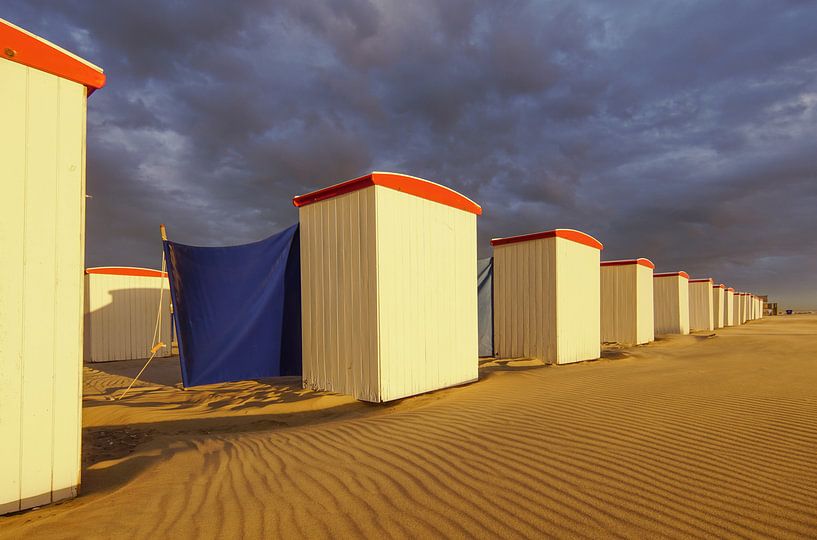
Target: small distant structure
point(388, 288)
point(546, 296)
point(122, 313)
point(700, 305)
point(671, 303)
point(627, 314)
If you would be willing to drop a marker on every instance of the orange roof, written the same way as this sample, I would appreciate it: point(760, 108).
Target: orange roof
point(398, 182)
point(710, 280)
point(730, 289)
point(643, 262)
point(25, 48)
point(567, 234)
point(721, 286)
point(668, 274)
point(126, 271)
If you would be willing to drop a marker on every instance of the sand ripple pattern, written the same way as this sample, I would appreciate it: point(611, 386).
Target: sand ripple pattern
point(683, 439)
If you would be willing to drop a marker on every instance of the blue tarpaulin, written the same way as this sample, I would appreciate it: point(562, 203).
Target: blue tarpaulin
point(237, 309)
point(485, 302)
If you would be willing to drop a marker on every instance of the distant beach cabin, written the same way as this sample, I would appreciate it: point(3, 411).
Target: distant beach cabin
point(546, 296)
point(701, 315)
point(737, 309)
point(671, 303)
point(121, 313)
point(43, 96)
point(388, 287)
point(627, 301)
point(729, 307)
point(717, 305)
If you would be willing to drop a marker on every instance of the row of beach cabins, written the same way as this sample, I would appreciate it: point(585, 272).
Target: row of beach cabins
point(388, 291)
point(389, 294)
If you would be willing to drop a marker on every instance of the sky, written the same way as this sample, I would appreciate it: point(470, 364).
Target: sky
point(680, 131)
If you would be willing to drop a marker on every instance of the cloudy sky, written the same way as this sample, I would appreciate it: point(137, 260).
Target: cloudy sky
point(682, 131)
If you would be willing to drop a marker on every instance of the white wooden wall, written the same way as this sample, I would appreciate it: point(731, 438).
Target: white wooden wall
point(717, 307)
point(120, 316)
point(42, 173)
point(525, 299)
point(339, 295)
point(671, 304)
point(389, 295)
point(645, 298)
point(729, 308)
point(700, 306)
point(627, 304)
point(736, 310)
point(427, 294)
point(546, 295)
point(578, 301)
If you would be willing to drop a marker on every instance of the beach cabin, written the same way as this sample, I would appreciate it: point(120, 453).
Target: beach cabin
point(546, 296)
point(701, 313)
point(736, 311)
point(671, 303)
point(717, 305)
point(388, 287)
point(729, 307)
point(122, 313)
point(627, 301)
point(744, 307)
point(43, 95)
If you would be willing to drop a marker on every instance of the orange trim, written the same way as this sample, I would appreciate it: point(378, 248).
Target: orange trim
point(710, 280)
point(721, 286)
point(669, 274)
point(568, 234)
point(730, 289)
point(398, 182)
point(24, 48)
point(643, 262)
point(126, 271)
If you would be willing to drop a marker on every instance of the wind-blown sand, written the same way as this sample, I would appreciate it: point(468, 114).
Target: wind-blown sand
point(692, 436)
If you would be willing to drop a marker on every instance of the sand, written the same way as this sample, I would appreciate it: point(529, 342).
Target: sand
point(691, 436)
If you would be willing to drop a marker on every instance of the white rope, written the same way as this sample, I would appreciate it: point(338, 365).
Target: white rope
point(157, 342)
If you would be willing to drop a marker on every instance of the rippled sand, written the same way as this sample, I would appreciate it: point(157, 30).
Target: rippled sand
point(693, 436)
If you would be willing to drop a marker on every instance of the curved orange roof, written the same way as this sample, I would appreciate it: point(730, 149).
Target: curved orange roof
point(643, 262)
point(669, 274)
point(568, 234)
point(126, 271)
point(730, 289)
point(25, 48)
point(719, 286)
point(399, 182)
point(710, 280)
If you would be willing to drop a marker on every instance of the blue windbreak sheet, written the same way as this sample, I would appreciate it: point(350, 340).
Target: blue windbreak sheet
point(485, 302)
point(237, 309)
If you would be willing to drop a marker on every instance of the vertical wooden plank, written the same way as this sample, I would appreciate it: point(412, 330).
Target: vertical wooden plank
point(68, 299)
point(39, 286)
point(13, 107)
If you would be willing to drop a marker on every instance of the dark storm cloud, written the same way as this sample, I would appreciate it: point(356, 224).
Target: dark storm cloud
point(682, 131)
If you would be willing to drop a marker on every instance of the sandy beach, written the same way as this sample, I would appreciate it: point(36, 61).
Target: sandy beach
point(708, 435)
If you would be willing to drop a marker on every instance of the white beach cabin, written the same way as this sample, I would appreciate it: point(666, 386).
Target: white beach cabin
point(717, 305)
point(627, 312)
point(121, 313)
point(388, 287)
point(671, 303)
point(729, 307)
point(701, 316)
point(546, 296)
point(43, 96)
